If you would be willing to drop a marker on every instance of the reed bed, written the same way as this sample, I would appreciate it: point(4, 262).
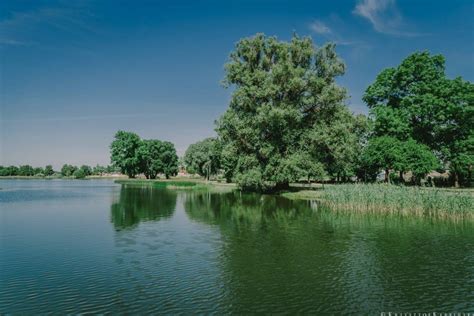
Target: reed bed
point(389, 199)
point(398, 200)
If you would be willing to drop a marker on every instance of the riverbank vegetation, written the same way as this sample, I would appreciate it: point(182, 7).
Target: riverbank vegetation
point(67, 171)
point(393, 200)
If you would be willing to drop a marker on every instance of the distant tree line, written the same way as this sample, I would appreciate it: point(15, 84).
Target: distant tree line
point(150, 157)
point(48, 171)
point(287, 120)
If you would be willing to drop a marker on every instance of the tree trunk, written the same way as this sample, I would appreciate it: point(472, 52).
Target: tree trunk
point(167, 176)
point(456, 179)
point(401, 177)
point(387, 175)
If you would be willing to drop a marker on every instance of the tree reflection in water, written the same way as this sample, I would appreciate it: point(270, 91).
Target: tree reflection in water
point(138, 204)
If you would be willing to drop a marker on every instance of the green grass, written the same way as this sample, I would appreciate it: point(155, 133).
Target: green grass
point(176, 183)
point(391, 199)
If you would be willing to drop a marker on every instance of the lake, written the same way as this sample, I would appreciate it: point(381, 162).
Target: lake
point(93, 246)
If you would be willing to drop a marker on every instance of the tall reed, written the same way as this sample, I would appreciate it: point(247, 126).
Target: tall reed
point(402, 200)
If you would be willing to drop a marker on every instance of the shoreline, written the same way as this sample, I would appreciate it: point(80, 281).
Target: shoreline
point(373, 199)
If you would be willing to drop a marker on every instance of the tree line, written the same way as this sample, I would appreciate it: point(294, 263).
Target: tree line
point(133, 156)
point(287, 120)
point(48, 171)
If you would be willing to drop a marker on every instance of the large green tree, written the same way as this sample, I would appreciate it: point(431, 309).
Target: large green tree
point(157, 156)
point(391, 154)
point(149, 158)
point(169, 159)
point(382, 153)
point(416, 100)
point(418, 159)
point(282, 91)
point(68, 170)
point(203, 157)
point(124, 153)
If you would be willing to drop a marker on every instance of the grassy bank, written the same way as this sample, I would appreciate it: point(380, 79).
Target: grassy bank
point(176, 183)
point(390, 199)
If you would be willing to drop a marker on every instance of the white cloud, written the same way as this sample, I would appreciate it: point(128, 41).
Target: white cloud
point(383, 15)
point(319, 27)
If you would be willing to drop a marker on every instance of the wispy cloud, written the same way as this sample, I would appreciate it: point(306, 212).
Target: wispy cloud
point(319, 27)
point(384, 16)
point(328, 32)
point(11, 42)
point(25, 24)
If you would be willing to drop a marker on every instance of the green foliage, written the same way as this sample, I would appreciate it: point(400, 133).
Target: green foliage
point(169, 159)
point(283, 91)
point(418, 159)
point(383, 152)
point(48, 170)
point(150, 157)
point(87, 170)
point(337, 143)
point(8, 171)
point(203, 157)
point(79, 173)
point(112, 169)
point(462, 160)
point(38, 171)
point(416, 101)
point(124, 153)
point(26, 170)
point(389, 153)
point(68, 170)
point(99, 170)
point(156, 156)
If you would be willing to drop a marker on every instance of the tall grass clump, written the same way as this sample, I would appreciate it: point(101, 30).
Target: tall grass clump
point(400, 200)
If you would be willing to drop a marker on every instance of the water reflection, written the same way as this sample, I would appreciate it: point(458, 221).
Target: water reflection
point(137, 204)
point(242, 209)
point(223, 253)
point(275, 259)
point(286, 256)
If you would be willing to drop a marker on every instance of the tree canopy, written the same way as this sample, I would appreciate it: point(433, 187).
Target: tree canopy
point(150, 157)
point(203, 157)
point(416, 101)
point(283, 91)
point(124, 153)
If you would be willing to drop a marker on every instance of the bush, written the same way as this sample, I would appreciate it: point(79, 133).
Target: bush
point(79, 174)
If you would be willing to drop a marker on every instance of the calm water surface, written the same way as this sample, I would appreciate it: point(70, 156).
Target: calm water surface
point(93, 246)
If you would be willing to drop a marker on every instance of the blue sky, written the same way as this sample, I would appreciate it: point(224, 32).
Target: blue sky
point(74, 72)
